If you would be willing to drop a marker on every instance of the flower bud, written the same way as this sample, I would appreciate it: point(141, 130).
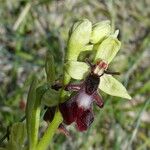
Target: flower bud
point(51, 97)
point(100, 31)
point(108, 49)
point(79, 38)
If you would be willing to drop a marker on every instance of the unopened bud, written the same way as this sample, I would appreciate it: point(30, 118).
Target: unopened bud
point(79, 38)
point(100, 31)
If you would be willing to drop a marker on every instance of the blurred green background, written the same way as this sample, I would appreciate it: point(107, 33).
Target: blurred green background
point(29, 28)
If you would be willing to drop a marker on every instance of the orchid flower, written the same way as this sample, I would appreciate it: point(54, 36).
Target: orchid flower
point(78, 107)
point(106, 51)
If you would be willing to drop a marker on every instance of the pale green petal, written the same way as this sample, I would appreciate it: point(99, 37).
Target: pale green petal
point(108, 49)
point(111, 86)
point(76, 69)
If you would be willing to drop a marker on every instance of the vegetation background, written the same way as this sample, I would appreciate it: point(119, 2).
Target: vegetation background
point(29, 28)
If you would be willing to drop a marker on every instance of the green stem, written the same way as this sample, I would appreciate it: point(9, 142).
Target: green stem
point(35, 122)
point(66, 80)
point(47, 137)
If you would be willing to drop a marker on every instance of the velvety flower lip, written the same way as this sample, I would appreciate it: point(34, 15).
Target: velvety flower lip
point(84, 119)
point(82, 116)
point(69, 111)
point(78, 108)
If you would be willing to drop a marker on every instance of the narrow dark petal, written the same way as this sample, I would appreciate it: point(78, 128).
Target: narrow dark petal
point(98, 99)
point(84, 119)
point(69, 111)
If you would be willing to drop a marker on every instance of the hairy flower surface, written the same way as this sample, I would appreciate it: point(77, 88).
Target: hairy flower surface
point(78, 109)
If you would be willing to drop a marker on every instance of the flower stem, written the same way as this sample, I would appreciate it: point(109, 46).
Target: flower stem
point(47, 137)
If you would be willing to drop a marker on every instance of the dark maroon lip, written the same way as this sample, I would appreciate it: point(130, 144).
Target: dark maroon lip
point(80, 110)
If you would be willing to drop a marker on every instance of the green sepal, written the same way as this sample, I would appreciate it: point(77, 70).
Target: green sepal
point(111, 86)
point(108, 49)
point(76, 69)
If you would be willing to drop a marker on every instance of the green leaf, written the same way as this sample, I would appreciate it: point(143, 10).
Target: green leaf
point(17, 137)
point(108, 49)
point(29, 108)
point(35, 115)
point(50, 67)
point(33, 110)
point(76, 69)
point(111, 86)
point(100, 31)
